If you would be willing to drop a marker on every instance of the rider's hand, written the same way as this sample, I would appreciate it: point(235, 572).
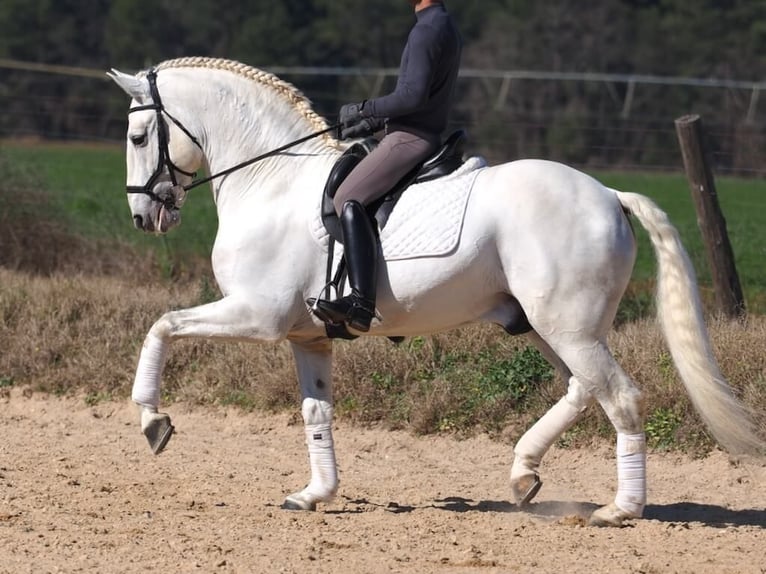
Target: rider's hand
point(365, 127)
point(350, 115)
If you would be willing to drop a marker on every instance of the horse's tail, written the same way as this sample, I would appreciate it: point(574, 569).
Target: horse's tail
point(681, 318)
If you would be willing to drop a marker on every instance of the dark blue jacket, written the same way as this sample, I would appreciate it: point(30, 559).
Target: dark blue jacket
point(428, 72)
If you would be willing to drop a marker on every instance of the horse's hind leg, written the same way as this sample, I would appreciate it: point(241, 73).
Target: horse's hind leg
point(314, 375)
point(600, 375)
point(532, 446)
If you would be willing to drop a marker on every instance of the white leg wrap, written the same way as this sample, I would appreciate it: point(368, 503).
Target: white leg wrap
point(146, 386)
point(324, 471)
point(537, 440)
point(631, 473)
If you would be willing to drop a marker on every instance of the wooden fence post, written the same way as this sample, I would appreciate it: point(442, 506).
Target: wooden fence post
point(728, 291)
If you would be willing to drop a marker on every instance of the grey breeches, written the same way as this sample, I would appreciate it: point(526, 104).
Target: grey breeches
point(396, 154)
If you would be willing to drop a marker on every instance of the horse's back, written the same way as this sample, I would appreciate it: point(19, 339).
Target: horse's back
point(545, 185)
point(541, 231)
point(550, 201)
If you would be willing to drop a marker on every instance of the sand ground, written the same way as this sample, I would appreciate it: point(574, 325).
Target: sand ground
point(80, 491)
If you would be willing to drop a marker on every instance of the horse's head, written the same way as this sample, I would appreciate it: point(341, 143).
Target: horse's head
point(162, 155)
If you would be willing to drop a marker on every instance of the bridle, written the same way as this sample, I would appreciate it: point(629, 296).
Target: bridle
point(164, 162)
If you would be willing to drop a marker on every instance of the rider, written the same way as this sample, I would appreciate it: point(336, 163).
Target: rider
point(414, 116)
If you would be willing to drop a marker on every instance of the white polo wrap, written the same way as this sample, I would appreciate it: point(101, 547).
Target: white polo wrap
point(146, 386)
point(631, 473)
point(324, 471)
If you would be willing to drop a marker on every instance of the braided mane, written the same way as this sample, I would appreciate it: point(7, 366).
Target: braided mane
point(285, 89)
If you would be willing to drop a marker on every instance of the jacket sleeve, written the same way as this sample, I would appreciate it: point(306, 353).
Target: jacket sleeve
point(413, 84)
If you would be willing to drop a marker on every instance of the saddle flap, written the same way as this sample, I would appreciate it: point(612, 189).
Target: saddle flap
point(345, 164)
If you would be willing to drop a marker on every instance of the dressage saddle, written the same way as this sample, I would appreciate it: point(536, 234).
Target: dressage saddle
point(447, 159)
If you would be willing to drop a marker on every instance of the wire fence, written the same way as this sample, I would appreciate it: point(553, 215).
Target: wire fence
point(602, 121)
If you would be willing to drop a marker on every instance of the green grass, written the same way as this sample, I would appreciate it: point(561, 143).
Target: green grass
point(87, 182)
point(742, 202)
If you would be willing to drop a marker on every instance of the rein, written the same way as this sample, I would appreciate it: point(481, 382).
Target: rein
point(164, 161)
point(273, 152)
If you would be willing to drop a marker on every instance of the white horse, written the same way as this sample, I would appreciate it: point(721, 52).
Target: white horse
point(535, 233)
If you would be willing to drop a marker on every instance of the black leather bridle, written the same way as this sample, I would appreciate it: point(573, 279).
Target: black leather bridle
point(164, 162)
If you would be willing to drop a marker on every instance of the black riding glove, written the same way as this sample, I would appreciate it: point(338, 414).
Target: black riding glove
point(354, 124)
point(350, 114)
point(365, 127)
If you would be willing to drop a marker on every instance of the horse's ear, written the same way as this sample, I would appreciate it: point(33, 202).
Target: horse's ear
point(136, 88)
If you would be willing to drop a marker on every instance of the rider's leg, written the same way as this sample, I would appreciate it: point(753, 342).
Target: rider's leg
point(396, 155)
point(359, 238)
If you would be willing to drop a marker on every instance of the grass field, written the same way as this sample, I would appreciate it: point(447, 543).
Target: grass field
point(87, 182)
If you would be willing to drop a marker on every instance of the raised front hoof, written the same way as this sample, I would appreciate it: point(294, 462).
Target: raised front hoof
point(158, 431)
point(610, 515)
point(525, 489)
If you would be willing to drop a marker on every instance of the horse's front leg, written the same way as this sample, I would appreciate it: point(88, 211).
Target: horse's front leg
point(228, 318)
point(314, 365)
point(146, 392)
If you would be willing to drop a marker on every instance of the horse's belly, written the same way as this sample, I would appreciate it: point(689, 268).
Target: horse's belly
point(435, 294)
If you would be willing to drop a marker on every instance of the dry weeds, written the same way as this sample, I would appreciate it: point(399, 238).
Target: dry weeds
point(80, 335)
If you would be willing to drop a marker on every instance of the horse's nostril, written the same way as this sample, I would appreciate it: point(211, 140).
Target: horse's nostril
point(138, 221)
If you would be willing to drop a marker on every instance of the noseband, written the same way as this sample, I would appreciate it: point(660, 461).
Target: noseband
point(164, 161)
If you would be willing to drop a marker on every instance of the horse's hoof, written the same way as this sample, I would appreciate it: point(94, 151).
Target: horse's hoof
point(298, 502)
point(525, 489)
point(158, 431)
point(609, 515)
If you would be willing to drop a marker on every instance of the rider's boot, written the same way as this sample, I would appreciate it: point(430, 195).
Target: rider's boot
point(361, 248)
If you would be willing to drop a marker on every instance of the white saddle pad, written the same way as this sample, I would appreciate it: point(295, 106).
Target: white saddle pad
point(428, 218)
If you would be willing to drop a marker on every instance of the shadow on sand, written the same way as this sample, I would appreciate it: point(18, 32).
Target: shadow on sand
point(707, 514)
point(681, 512)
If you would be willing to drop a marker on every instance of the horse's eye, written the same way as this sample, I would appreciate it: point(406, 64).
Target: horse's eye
point(138, 140)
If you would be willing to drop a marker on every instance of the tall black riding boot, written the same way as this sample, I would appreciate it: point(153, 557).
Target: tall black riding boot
point(360, 245)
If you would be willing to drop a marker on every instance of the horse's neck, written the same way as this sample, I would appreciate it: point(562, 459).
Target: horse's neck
point(288, 181)
point(242, 120)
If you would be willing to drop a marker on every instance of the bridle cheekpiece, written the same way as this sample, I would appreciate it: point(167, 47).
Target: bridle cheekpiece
point(164, 162)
